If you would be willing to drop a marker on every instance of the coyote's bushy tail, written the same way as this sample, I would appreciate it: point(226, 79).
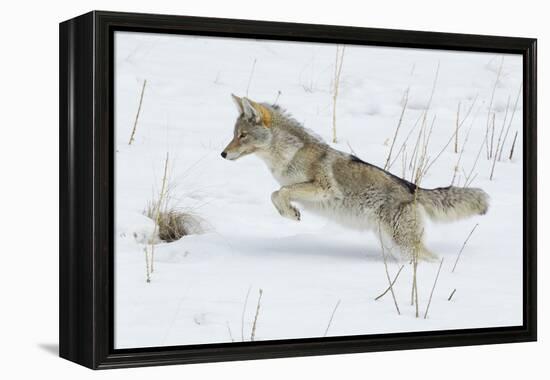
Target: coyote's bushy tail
point(451, 203)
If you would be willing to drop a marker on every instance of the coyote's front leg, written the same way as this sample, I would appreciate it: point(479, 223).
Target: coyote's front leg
point(307, 191)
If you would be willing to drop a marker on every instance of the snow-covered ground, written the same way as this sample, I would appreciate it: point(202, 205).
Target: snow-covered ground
point(198, 288)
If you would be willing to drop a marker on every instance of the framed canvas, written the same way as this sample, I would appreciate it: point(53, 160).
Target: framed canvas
point(237, 189)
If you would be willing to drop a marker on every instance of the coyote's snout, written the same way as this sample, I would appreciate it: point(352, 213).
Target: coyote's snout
point(340, 186)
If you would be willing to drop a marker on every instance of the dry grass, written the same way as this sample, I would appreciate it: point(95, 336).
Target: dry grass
point(463, 246)
point(453, 136)
point(451, 295)
point(456, 129)
point(488, 124)
point(254, 325)
point(250, 77)
point(403, 148)
point(457, 166)
point(278, 96)
point(387, 271)
point(332, 317)
point(244, 312)
point(470, 176)
point(403, 109)
point(173, 224)
point(499, 139)
point(337, 72)
point(229, 331)
point(170, 222)
point(137, 113)
point(510, 122)
point(492, 135)
point(391, 284)
point(433, 288)
point(513, 145)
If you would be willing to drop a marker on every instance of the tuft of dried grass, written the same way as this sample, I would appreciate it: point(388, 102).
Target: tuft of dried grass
point(173, 224)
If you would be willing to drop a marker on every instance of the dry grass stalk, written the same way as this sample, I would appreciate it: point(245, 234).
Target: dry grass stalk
point(404, 163)
point(147, 265)
point(404, 143)
point(414, 290)
point(414, 293)
point(452, 136)
point(414, 156)
point(337, 72)
point(491, 108)
point(513, 145)
point(433, 86)
point(137, 113)
point(244, 312)
point(510, 122)
point(457, 166)
point(492, 135)
point(452, 294)
point(387, 271)
point(253, 332)
point(463, 246)
point(422, 168)
point(499, 139)
point(391, 284)
point(405, 102)
point(162, 197)
point(456, 129)
point(351, 148)
point(277, 98)
point(422, 131)
point(229, 331)
point(433, 288)
point(470, 181)
point(250, 77)
point(420, 163)
point(418, 177)
point(331, 317)
point(475, 162)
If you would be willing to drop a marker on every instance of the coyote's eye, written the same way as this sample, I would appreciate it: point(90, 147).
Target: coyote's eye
point(242, 135)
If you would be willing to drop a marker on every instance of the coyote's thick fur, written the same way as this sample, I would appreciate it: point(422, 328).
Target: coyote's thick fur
point(341, 186)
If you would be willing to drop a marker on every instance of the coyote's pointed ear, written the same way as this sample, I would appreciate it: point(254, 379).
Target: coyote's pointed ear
point(256, 112)
point(238, 102)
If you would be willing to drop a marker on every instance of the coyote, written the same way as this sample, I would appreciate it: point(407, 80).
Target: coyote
point(341, 186)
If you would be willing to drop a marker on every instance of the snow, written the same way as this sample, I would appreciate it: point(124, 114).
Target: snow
point(198, 288)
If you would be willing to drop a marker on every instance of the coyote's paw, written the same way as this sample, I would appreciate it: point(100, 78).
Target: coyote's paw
point(427, 256)
point(291, 213)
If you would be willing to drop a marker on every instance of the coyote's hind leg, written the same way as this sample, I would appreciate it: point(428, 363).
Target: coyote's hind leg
point(407, 231)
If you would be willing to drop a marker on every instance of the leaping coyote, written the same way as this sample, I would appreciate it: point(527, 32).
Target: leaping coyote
point(341, 186)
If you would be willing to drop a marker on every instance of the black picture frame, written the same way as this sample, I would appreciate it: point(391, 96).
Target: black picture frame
point(87, 200)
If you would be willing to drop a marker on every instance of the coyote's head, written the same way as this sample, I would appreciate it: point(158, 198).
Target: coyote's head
point(252, 130)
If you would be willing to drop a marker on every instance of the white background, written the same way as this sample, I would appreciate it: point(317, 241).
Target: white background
point(29, 168)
